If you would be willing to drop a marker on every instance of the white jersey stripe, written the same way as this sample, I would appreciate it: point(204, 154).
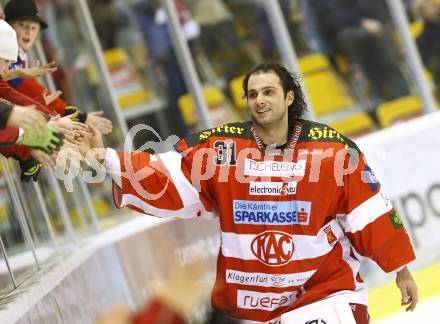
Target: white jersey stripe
point(304, 246)
point(188, 194)
point(173, 161)
point(113, 166)
point(365, 213)
point(358, 296)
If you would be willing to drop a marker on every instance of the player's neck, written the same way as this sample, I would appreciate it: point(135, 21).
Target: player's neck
point(269, 135)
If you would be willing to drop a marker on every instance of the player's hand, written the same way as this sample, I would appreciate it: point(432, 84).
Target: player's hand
point(68, 158)
point(95, 139)
point(72, 130)
point(408, 288)
point(102, 124)
point(27, 117)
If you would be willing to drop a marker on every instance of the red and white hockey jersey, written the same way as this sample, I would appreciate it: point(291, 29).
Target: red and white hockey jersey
point(290, 219)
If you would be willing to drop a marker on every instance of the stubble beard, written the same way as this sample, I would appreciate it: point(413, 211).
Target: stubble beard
point(270, 124)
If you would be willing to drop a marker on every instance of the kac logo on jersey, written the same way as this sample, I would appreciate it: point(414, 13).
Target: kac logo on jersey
point(273, 248)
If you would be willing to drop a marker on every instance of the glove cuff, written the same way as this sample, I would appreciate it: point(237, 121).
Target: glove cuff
point(26, 164)
point(82, 117)
point(71, 110)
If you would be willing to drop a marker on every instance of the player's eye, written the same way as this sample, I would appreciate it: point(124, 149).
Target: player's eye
point(268, 92)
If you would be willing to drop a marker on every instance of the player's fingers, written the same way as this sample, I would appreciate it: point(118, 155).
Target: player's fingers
point(404, 294)
point(414, 297)
point(413, 306)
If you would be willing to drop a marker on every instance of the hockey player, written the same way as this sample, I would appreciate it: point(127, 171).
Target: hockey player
point(294, 199)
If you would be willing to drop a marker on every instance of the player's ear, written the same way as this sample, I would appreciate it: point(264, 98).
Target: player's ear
point(290, 97)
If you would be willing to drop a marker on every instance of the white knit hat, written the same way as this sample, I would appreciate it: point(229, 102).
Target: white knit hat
point(8, 42)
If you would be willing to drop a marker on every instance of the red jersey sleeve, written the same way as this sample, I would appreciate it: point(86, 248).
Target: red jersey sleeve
point(370, 221)
point(161, 185)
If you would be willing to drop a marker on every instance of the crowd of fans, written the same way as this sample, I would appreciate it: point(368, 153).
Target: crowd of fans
point(36, 123)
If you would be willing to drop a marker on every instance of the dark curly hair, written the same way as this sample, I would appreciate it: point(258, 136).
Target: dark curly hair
point(289, 82)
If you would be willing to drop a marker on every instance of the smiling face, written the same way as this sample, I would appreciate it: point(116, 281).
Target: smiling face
point(27, 32)
point(268, 105)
